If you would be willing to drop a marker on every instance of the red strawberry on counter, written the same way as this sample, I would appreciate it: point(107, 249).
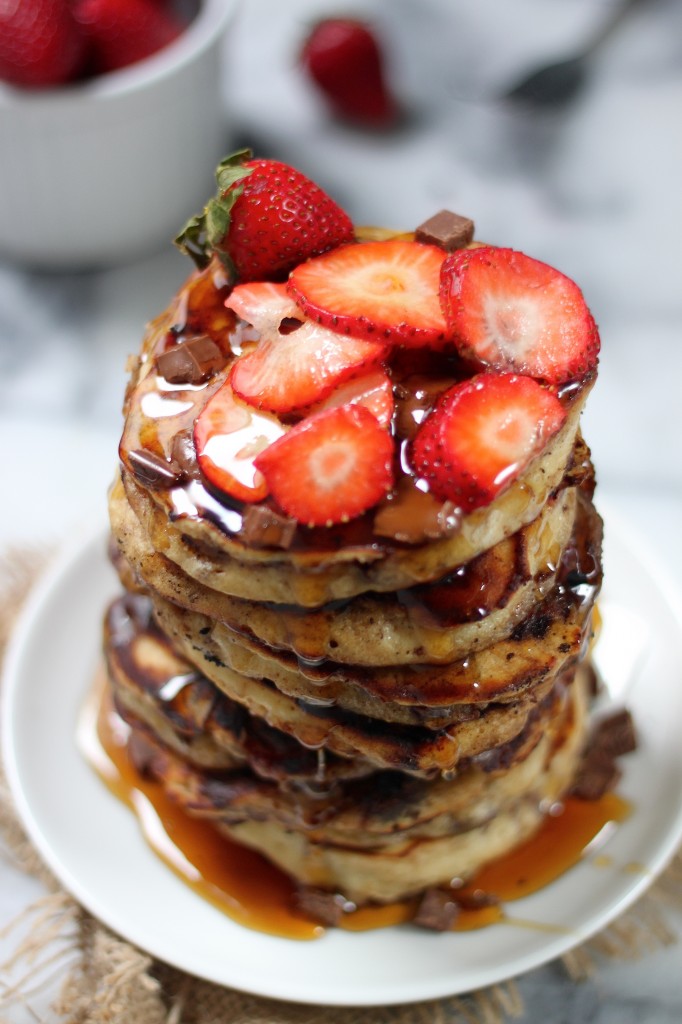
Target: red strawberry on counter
point(266, 218)
point(122, 32)
point(482, 434)
point(385, 291)
point(343, 58)
point(513, 313)
point(330, 467)
point(41, 44)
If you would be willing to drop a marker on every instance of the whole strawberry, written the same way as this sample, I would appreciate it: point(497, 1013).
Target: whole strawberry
point(343, 58)
point(40, 43)
point(122, 32)
point(266, 218)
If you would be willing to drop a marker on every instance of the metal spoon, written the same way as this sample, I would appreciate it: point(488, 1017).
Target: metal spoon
point(556, 84)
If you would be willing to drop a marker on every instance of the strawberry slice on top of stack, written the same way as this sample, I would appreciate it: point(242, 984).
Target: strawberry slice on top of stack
point(339, 316)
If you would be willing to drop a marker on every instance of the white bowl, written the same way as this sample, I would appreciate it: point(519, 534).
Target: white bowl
point(106, 170)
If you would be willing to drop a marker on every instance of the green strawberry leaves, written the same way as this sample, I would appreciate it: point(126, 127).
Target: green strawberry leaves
point(204, 233)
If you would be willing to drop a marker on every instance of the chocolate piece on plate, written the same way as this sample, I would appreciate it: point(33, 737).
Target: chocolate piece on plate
point(615, 734)
point(191, 362)
point(447, 230)
point(597, 775)
point(327, 908)
point(437, 911)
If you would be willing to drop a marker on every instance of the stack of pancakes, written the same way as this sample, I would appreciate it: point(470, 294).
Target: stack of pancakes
point(380, 706)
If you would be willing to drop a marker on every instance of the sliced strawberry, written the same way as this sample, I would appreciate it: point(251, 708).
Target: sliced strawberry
point(482, 434)
point(382, 290)
point(513, 313)
point(228, 436)
point(263, 304)
point(373, 390)
point(331, 467)
point(297, 362)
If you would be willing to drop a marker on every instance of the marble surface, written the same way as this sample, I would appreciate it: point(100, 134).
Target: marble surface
point(594, 189)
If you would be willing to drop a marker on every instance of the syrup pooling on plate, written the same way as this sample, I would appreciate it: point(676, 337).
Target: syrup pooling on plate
point(237, 881)
point(251, 891)
point(557, 847)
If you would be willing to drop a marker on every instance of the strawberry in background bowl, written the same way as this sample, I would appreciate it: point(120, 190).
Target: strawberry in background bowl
point(109, 126)
point(47, 43)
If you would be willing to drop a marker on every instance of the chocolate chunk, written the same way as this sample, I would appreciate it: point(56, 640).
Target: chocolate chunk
point(152, 470)
point(264, 528)
point(447, 230)
point(437, 910)
point(191, 362)
point(615, 734)
point(184, 455)
point(597, 775)
point(327, 908)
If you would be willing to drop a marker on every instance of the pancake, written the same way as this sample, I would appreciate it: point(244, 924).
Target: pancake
point(192, 530)
point(316, 721)
point(380, 683)
point(473, 606)
point(421, 538)
point(385, 838)
point(153, 685)
point(552, 635)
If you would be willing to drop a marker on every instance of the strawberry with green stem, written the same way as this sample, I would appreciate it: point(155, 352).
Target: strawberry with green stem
point(265, 219)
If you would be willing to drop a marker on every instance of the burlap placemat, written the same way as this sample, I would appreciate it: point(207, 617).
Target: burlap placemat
point(105, 980)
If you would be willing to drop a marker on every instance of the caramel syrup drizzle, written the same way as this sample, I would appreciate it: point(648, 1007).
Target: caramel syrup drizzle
point(250, 890)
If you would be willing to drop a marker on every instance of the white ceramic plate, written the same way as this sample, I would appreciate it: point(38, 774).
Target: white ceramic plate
point(93, 845)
